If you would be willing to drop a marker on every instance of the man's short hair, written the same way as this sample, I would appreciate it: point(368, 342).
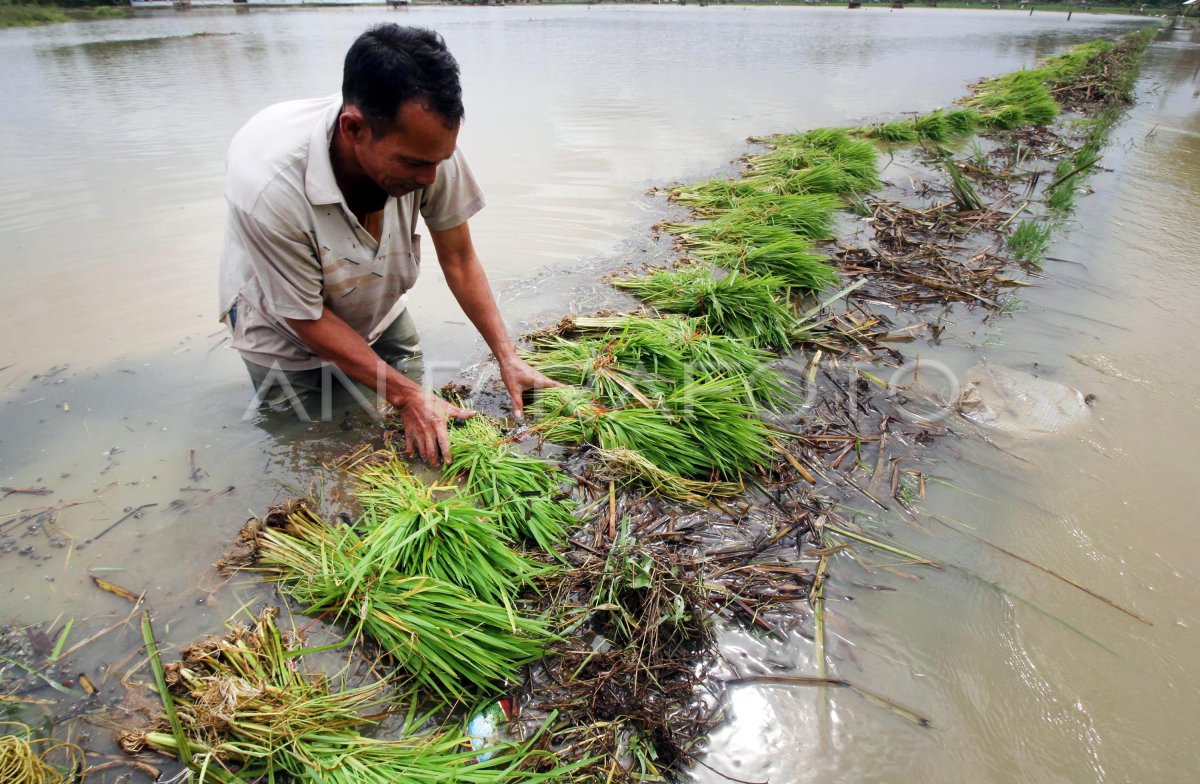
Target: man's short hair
point(389, 65)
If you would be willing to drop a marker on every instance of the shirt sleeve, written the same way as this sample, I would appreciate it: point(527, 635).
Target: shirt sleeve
point(454, 197)
point(285, 263)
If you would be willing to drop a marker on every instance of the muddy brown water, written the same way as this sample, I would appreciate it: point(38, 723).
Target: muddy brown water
point(114, 372)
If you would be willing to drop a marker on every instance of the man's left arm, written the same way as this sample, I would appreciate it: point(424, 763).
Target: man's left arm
point(469, 284)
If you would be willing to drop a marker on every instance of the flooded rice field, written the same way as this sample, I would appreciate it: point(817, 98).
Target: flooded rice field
point(121, 400)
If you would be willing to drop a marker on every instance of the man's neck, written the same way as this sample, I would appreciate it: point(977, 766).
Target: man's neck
point(362, 195)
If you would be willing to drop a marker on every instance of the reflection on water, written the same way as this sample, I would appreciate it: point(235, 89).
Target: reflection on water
point(110, 214)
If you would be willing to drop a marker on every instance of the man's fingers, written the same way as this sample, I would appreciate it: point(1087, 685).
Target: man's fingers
point(431, 454)
point(515, 391)
point(462, 413)
point(443, 440)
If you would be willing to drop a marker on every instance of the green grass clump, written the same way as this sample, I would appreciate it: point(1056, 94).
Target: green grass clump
point(524, 492)
point(624, 359)
point(1062, 198)
point(427, 531)
point(748, 307)
point(1029, 241)
point(897, 132)
point(698, 430)
point(449, 641)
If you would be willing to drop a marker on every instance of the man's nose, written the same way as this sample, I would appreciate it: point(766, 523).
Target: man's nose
point(427, 175)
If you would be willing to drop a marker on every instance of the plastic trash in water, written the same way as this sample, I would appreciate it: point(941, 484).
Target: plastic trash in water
point(490, 727)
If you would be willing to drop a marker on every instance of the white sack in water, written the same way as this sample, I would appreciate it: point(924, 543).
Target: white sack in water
point(1020, 404)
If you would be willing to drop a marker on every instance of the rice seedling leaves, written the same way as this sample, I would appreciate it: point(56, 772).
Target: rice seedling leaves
point(749, 307)
point(522, 491)
point(421, 530)
point(697, 430)
point(449, 641)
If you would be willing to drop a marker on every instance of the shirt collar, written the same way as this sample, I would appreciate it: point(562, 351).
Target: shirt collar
point(320, 186)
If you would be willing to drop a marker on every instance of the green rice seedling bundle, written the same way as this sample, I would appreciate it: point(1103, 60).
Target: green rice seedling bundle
point(855, 160)
point(828, 174)
point(932, 127)
point(1029, 241)
point(449, 641)
point(781, 254)
point(242, 710)
point(897, 132)
point(806, 214)
point(612, 368)
point(701, 428)
point(1074, 62)
point(524, 492)
point(702, 354)
point(624, 359)
point(427, 531)
point(1007, 118)
point(630, 465)
point(748, 307)
point(716, 195)
point(962, 123)
point(1023, 92)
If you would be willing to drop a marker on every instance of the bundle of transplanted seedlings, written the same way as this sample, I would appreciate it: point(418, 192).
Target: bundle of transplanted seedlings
point(1024, 97)
point(437, 532)
point(792, 154)
point(443, 636)
point(762, 249)
point(524, 492)
point(770, 235)
point(749, 307)
point(1014, 100)
point(240, 708)
point(808, 215)
point(697, 430)
point(639, 358)
point(937, 126)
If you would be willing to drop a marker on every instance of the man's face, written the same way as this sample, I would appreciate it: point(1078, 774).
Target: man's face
point(405, 159)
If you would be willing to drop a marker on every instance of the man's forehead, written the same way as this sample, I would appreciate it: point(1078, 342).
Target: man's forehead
point(423, 134)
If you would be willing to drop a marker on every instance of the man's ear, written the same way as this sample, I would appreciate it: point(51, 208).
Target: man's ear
point(352, 124)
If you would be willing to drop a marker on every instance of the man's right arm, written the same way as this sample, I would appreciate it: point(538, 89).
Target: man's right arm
point(423, 415)
point(289, 274)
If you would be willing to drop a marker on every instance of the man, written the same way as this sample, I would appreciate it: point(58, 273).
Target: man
point(321, 240)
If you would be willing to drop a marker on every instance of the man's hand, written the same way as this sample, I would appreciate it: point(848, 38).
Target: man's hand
point(425, 434)
point(518, 378)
